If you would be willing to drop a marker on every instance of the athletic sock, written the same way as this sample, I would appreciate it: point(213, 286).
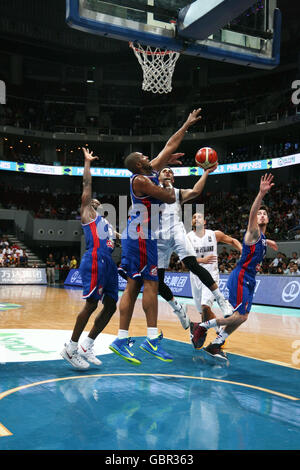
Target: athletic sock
point(72, 346)
point(122, 334)
point(152, 333)
point(217, 293)
point(174, 304)
point(220, 338)
point(87, 343)
point(209, 324)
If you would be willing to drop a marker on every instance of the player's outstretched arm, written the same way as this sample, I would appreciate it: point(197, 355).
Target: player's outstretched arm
point(223, 238)
point(189, 194)
point(86, 195)
point(143, 186)
point(165, 156)
point(252, 233)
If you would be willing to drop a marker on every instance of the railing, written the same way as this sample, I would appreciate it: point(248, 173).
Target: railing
point(209, 126)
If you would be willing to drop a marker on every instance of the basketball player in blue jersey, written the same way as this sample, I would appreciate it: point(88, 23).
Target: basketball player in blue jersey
point(241, 282)
point(140, 253)
point(98, 272)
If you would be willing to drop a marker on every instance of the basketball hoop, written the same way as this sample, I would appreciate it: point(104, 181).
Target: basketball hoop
point(158, 67)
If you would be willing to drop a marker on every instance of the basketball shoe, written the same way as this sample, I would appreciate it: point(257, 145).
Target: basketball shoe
point(225, 306)
point(215, 350)
point(121, 347)
point(152, 346)
point(198, 335)
point(182, 315)
point(89, 355)
point(74, 359)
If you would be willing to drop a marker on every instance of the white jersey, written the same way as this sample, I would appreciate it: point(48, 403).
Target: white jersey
point(204, 246)
point(172, 234)
point(171, 215)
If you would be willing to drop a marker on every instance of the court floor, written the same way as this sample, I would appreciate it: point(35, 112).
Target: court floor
point(251, 402)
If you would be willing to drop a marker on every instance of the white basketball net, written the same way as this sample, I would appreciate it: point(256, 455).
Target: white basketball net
point(158, 67)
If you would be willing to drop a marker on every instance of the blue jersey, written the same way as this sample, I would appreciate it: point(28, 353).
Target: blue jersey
point(252, 255)
point(148, 226)
point(241, 282)
point(98, 271)
point(139, 250)
point(98, 236)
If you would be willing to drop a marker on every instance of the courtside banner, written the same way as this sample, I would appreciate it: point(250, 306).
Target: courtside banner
point(223, 169)
point(178, 282)
point(23, 276)
point(280, 291)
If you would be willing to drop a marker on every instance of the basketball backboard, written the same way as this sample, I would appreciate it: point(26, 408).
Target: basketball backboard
point(251, 39)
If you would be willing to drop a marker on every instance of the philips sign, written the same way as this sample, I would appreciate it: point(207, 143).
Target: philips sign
point(291, 291)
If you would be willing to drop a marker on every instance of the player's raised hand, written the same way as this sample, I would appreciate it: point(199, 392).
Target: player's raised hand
point(272, 244)
point(266, 183)
point(174, 159)
point(89, 155)
point(194, 117)
point(213, 168)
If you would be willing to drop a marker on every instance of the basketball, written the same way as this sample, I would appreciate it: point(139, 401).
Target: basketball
point(206, 157)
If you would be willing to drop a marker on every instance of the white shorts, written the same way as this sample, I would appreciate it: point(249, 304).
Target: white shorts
point(180, 244)
point(201, 294)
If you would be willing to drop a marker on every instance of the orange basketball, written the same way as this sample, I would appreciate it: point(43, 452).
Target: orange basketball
point(206, 158)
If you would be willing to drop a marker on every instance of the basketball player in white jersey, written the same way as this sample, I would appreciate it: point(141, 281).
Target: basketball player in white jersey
point(205, 244)
point(173, 238)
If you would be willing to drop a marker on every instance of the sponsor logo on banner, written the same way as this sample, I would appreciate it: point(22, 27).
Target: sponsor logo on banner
point(269, 290)
point(5, 165)
point(23, 276)
point(75, 277)
point(286, 161)
point(291, 291)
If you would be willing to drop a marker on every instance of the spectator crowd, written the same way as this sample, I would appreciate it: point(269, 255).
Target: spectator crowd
point(11, 255)
point(228, 259)
point(226, 211)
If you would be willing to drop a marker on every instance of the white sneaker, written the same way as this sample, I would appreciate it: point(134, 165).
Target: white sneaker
point(88, 355)
point(219, 329)
point(74, 359)
point(182, 315)
point(225, 306)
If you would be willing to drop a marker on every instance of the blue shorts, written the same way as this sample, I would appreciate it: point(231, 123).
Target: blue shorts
point(241, 291)
point(139, 259)
point(99, 277)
